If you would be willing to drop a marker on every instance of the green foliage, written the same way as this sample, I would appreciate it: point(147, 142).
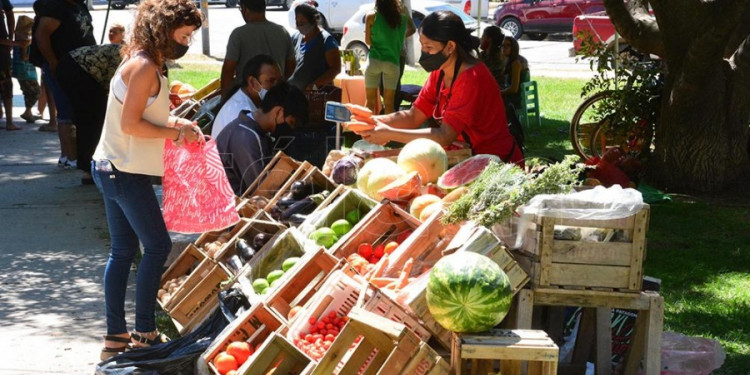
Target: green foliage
point(501, 188)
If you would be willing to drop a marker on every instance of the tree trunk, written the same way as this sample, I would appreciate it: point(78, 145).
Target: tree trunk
point(702, 137)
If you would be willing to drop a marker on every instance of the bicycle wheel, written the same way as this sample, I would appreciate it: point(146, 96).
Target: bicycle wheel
point(584, 124)
point(637, 140)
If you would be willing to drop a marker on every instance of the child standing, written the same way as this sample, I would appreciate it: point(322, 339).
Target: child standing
point(23, 70)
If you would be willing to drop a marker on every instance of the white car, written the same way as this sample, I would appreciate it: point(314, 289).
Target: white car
point(354, 28)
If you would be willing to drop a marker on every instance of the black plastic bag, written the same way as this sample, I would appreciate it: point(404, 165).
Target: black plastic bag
point(177, 357)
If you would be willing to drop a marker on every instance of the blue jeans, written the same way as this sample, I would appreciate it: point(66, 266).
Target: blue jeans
point(133, 214)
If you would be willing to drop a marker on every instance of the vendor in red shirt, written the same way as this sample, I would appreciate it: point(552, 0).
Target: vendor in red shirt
point(460, 94)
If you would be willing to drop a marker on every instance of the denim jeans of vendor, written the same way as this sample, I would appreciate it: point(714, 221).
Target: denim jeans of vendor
point(133, 214)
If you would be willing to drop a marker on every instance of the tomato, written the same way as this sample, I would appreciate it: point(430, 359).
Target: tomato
point(378, 251)
point(330, 337)
point(310, 339)
point(323, 332)
point(326, 320)
point(403, 236)
point(373, 259)
point(312, 320)
point(333, 315)
point(365, 250)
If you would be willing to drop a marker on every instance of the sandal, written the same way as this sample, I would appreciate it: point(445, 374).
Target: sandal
point(30, 119)
point(108, 353)
point(141, 340)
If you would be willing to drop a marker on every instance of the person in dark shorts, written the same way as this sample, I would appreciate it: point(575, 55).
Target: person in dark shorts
point(6, 80)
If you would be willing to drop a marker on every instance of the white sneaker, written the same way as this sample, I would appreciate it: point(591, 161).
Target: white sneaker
point(71, 164)
point(62, 161)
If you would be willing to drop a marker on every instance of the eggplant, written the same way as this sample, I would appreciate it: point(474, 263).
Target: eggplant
point(234, 263)
point(297, 219)
point(286, 202)
point(245, 250)
point(276, 213)
point(304, 206)
point(260, 240)
point(301, 189)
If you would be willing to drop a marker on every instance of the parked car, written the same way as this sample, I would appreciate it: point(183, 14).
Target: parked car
point(538, 18)
point(470, 6)
point(598, 25)
point(354, 28)
point(284, 4)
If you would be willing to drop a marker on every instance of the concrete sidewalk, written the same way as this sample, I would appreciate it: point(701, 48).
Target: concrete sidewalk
point(53, 249)
point(54, 244)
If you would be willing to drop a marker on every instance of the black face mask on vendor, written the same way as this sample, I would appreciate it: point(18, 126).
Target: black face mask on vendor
point(430, 61)
point(176, 50)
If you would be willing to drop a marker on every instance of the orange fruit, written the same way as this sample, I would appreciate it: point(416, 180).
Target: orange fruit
point(225, 362)
point(240, 350)
point(390, 246)
point(233, 372)
point(293, 312)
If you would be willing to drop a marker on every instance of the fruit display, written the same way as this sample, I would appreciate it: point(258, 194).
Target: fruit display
point(233, 357)
point(328, 236)
point(466, 171)
point(424, 156)
point(169, 288)
point(322, 332)
point(377, 174)
point(262, 285)
point(468, 292)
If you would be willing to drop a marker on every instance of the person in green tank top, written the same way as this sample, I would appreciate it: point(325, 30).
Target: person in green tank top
point(386, 27)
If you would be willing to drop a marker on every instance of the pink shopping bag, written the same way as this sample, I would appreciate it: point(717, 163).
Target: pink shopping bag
point(197, 195)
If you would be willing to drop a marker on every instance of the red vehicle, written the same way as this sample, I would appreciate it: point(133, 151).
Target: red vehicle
point(598, 25)
point(537, 18)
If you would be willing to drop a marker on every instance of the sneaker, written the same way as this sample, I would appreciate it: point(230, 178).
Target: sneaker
point(71, 164)
point(62, 161)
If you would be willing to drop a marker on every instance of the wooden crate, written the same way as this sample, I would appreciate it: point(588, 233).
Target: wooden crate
point(386, 217)
point(200, 301)
point(277, 356)
point(581, 264)
point(286, 244)
point(336, 209)
point(306, 173)
point(510, 347)
point(382, 305)
point(223, 237)
point(276, 173)
point(427, 361)
point(303, 281)
point(469, 237)
point(192, 263)
point(254, 326)
point(385, 347)
point(248, 231)
point(454, 156)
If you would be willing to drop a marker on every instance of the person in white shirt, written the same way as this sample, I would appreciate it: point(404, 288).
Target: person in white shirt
point(259, 75)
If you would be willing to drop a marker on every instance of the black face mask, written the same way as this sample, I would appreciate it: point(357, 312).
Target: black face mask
point(176, 50)
point(431, 62)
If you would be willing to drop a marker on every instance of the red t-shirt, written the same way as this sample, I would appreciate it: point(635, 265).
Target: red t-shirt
point(475, 107)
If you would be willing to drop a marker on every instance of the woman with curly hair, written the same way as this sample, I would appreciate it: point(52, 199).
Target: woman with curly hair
point(386, 27)
point(129, 152)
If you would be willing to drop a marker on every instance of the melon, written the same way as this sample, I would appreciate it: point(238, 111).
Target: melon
point(421, 202)
point(466, 171)
point(377, 174)
point(468, 292)
point(404, 188)
point(429, 210)
point(425, 157)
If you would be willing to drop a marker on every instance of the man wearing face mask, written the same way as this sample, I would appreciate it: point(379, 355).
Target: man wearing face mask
point(245, 145)
point(260, 74)
point(460, 95)
point(257, 36)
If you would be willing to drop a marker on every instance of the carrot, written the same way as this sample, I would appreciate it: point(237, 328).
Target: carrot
point(382, 282)
point(358, 110)
point(391, 286)
point(403, 278)
point(368, 120)
point(408, 266)
point(380, 267)
point(357, 126)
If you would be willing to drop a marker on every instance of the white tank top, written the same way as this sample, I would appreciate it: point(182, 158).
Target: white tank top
point(129, 153)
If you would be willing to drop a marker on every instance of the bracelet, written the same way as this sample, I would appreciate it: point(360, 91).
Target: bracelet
point(179, 135)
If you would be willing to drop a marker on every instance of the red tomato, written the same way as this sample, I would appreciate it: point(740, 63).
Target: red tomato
point(373, 259)
point(323, 331)
point(378, 251)
point(365, 250)
point(325, 320)
point(333, 315)
point(403, 236)
point(312, 320)
point(330, 337)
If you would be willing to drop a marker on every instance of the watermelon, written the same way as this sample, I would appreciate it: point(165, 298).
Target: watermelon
point(466, 171)
point(468, 292)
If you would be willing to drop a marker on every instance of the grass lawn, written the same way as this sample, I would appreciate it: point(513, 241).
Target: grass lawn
point(700, 248)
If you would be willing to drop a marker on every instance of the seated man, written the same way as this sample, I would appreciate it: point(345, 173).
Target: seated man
point(259, 75)
point(245, 144)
